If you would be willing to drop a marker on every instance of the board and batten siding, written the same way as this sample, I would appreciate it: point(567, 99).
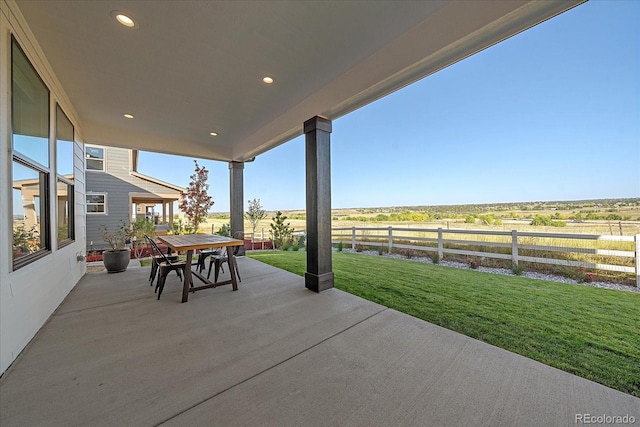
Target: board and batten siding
point(118, 184)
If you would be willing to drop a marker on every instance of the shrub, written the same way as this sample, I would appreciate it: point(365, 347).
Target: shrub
point(547, 221)
point(473, 263)
point(281, 232)
point(225, 230)
point(180, 227)
point(139, 228)
point(24, 240)
point(63, 232)
point(486, 219)
point(435, 258)
point(541, 220)
point(586, 277)
point(340, 246)
point(380, 250)
point(517, 269)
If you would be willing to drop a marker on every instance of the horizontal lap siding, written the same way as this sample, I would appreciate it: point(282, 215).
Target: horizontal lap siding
point(29, 295)
point(118, 183)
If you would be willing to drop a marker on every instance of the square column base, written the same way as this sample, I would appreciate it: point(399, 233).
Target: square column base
point(318, 282)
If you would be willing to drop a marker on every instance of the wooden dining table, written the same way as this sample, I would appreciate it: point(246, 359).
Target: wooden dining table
point(192, 242)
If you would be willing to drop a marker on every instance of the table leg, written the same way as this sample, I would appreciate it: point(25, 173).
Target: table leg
point(232, 267)
point(187, 277)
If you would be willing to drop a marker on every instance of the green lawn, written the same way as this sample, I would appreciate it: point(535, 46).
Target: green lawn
point(590, 332)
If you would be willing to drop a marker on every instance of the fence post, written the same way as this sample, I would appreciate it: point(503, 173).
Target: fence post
point(390, 239)
point(353, 238)
point(637, 260)
point(440, 245)
point(514, 247)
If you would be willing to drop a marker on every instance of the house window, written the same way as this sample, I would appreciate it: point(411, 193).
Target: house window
point(95, 158)
point(64, 178)
point(30, 161)
point(97, 203)
point(65, 192)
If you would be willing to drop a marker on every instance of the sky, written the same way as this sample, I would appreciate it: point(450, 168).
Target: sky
point(550, 114)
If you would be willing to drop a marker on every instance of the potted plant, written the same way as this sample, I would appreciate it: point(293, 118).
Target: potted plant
point(116, 259)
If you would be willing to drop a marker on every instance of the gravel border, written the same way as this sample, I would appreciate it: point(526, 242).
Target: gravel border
point(504, 271)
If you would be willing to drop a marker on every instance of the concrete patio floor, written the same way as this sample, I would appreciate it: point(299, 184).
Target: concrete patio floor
point(276, 354)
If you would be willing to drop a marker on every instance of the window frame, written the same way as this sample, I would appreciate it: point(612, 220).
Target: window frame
point(71, 226)
point(45, 225)
point(69, 182)
point(104, 159)
point(97, 193)
point(24, 160)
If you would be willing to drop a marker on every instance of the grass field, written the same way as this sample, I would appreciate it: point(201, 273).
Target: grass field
point(586, 331)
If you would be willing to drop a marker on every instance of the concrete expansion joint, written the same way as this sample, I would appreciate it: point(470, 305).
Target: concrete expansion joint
point(80, 310)
point(206, 399)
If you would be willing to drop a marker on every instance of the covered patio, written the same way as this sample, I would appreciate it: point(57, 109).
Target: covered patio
point(229, 81)
point(224, 81)
point(273, 353)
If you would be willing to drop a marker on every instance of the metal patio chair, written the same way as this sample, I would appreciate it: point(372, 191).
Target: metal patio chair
point(165, 266)
point(155, 259)
point(219, 259)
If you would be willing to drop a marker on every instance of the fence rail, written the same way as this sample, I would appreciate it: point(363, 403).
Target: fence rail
point(601, 252)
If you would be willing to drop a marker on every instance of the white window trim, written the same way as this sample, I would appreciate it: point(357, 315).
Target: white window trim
point(104, 159)
point(91, 193)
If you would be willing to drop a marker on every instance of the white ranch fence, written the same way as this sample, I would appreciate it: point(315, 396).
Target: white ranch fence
point(600, 252)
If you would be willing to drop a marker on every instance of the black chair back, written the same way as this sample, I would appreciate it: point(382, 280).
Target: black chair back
point(157, 250)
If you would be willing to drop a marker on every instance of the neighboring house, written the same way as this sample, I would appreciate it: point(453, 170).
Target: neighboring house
point(116, 192)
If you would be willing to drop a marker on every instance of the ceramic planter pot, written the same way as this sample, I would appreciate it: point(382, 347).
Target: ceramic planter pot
point(116, 261)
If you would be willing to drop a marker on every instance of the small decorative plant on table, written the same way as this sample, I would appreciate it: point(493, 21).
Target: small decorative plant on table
point(116, 259)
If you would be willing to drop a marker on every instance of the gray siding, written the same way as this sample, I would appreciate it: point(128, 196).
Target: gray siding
point(117, 182)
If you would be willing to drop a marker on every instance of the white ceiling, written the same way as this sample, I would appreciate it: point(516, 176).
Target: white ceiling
point(192, 67)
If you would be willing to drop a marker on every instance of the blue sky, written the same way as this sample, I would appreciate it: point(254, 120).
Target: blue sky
point(550, 114)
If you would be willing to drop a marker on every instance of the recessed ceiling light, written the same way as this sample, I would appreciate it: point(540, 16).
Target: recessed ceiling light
point(213, 133)
point(123, 19)
point(268, 80)
point(129, 116)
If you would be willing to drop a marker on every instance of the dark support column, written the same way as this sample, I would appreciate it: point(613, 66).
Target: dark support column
point(236, 205)
point(319, 274)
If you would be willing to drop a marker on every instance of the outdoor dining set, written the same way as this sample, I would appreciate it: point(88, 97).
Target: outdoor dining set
point(219, 249)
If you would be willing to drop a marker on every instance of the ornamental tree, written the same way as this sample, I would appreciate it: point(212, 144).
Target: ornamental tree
point(255, 214)
point(195, 203)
